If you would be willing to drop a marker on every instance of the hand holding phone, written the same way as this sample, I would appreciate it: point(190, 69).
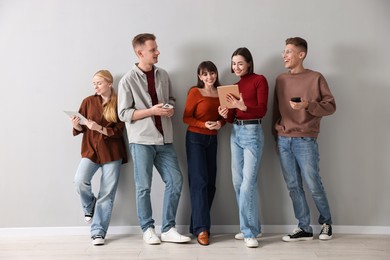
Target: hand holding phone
point(167, 106)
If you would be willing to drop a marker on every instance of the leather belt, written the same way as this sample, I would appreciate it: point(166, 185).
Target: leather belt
point(247, 122)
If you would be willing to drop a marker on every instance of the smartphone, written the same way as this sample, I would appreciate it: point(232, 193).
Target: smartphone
point(167, 106)
point(296, 99)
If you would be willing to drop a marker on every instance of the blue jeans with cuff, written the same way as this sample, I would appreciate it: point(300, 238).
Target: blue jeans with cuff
point(103, 204)
point(299, 158)
point(247, 142)
point(164, 158)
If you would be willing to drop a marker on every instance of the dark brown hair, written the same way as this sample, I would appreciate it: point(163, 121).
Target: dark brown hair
point(244, 52)
point(207, 66)
point(298, 42)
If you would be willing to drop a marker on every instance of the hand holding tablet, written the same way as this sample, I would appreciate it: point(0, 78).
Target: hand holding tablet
point(76, 114)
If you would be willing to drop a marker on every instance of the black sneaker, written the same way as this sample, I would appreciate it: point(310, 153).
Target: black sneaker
point(88, 217)
point(298, 235)
point(326, 232)
point(97, 240)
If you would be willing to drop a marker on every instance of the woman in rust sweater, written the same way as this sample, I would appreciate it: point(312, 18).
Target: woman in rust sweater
point(201, 116)
point(102, 147)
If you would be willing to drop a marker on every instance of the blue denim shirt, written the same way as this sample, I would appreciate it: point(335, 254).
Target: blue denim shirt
point(133, 94)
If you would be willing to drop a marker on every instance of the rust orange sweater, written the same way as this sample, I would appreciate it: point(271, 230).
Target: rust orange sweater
point(200, 109)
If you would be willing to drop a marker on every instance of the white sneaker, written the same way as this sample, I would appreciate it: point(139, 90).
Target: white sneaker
point(240, 236)
point(173, 236)
point(97, 240)
point(150, 237)
point(251, 242)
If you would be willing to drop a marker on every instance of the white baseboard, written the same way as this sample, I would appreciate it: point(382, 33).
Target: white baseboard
point(222, 229)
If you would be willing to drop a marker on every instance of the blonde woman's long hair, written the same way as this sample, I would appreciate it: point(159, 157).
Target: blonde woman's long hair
point(110, 107)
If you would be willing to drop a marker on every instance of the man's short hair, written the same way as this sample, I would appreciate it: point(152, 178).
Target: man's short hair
point(140, 39)
point(298, 42)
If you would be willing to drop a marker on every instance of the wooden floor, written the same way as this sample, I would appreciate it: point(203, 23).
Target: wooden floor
point(222, 246)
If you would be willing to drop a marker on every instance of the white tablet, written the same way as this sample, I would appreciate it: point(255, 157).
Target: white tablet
point(75, 113)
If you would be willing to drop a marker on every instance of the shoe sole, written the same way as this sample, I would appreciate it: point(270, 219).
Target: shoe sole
point(175, 241)
point(98, 242)
point(325, 238)
point(152, 243)
point(297, 239)
point(203, 244)
point(252, 246)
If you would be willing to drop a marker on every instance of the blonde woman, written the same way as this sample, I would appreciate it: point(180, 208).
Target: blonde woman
point(102, 147)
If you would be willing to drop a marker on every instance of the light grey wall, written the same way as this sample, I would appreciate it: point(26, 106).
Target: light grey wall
point(49, 50)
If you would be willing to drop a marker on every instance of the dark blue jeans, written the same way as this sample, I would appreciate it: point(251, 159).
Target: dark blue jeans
point(202, 171)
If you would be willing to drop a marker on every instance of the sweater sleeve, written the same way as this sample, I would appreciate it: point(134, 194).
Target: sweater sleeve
point(326, 104)
point(260, 108)
point(189, 110)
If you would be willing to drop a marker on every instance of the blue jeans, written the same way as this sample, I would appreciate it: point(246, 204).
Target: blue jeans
point(104, 202)
point(164, 158)
point(202, 171)
point(299, 159)
point(247, 142)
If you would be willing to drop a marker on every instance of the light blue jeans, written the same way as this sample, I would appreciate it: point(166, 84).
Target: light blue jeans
point(105, 200)
point(247, 142)
point(164, 158)
point(299, 159)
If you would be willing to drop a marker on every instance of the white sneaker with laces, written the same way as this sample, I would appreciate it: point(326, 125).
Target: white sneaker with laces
point(240, 236)
point(251, 242)
point(97, 240)
point(173, 236)
point(150, 237)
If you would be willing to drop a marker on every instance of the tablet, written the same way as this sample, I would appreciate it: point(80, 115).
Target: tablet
point(224, 90)
point(75, 113)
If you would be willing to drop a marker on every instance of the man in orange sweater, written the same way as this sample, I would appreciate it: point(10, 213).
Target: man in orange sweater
point(302, 97)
